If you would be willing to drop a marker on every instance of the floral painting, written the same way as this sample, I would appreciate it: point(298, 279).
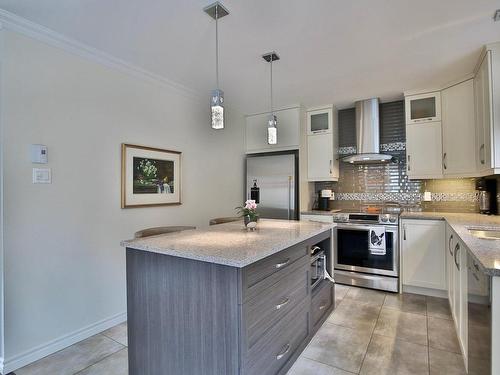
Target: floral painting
point(150, 176)
point(153, 176)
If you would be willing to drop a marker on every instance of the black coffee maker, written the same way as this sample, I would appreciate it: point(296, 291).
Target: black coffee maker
point(324, 197)
point(487, 196)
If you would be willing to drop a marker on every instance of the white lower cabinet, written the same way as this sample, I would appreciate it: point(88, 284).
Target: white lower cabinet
point(456, 254)
point(434, 257)
point(423, 258)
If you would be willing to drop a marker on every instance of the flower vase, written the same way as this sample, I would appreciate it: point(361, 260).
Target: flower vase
point(250, 222)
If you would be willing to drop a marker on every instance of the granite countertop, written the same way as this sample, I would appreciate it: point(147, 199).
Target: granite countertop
point(319, 212)
point(231, 244)
point(485, 251)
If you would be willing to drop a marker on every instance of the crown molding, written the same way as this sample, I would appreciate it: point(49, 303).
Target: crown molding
point(12, 22)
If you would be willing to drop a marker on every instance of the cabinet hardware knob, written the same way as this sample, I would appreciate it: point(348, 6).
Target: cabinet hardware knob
point(285, 350)
point(282, 264)
point(284, 303)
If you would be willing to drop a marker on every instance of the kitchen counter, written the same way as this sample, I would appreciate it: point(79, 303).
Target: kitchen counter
point(485, 251)
point(319, 212)
point(231, 244)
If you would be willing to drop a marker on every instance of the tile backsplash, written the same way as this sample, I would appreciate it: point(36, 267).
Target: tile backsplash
point(389, 183)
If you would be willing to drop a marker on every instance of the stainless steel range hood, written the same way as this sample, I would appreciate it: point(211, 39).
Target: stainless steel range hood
point(367, 135)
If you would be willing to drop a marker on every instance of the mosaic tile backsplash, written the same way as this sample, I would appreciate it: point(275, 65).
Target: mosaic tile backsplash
point(360, 184)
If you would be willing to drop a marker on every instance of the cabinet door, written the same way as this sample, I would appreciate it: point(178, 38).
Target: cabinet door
point(424, 150)
point(449, 246)
point(423, 256)
point(423, 108)
point(463, 331)
point(482, 94)
point(320, 158)
point(288, 131)
point(319, 121)
point(459, 149)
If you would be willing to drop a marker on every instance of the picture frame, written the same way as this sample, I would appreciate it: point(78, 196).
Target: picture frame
point(150, 176)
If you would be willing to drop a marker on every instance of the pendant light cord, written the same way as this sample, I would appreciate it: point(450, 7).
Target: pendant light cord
point(217, 45)
point(272, 112)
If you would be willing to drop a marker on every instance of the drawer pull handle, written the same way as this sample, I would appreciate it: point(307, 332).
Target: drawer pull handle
point(282, 264)
point(449, 245)
point(475, 276)
point(476, 266)
point(322, 307)
point(284, 303)
point(285, 350)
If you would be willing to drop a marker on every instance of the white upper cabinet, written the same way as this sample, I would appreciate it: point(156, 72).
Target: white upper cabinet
point(487, 105)
point(459, 151)
point(319, 121)
point(288, 131)
point(483, 97)
point(322, 145)
point(424, 150)
point(423, 108)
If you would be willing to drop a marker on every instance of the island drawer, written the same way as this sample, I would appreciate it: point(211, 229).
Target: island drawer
point(266, 309)
point(322, 300)
point(266, 272)
point(279, 344)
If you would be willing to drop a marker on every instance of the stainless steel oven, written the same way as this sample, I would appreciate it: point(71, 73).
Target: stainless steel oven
point(356, 262)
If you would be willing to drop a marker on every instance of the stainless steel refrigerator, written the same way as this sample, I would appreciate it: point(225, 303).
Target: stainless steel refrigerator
point(272, 180)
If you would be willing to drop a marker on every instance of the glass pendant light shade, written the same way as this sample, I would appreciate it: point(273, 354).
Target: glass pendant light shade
point(217, 107)
point(272, 131)
point(216, 11)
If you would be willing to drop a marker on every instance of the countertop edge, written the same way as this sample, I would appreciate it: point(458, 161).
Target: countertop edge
point(129, 244)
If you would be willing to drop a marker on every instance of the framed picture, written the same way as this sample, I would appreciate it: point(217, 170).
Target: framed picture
point(150, 176)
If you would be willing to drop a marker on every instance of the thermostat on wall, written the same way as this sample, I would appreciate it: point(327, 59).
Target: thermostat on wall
point(42, 176)
point(39, 154)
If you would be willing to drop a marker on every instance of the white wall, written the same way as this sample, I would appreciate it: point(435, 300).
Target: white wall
point(64, 268)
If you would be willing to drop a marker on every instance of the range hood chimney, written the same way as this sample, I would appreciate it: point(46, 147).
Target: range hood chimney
point(367, 135)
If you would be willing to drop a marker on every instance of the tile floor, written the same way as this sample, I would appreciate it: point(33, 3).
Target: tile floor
point(369, 333)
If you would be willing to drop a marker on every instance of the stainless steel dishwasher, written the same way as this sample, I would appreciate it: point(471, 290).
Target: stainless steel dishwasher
point(479, 319)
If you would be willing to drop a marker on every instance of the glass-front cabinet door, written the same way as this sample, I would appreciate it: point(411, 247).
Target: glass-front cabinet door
point(319, 121)
point(423, 108)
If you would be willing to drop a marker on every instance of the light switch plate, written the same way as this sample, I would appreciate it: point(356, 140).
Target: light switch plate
point(42, 176)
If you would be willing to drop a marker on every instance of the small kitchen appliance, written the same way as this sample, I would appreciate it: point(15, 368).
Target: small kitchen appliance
point(324, 197)
point(487, 196)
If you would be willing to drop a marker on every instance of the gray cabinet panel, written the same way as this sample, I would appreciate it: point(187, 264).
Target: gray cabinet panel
point(266, 309)
point(280, 343)
point(182, 316)
point(322, 303)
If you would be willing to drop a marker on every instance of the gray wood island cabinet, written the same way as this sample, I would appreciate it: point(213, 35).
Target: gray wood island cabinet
point(225, 301)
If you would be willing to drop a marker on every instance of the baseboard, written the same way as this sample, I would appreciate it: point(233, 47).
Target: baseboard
point(32, 355)
point(425, 291)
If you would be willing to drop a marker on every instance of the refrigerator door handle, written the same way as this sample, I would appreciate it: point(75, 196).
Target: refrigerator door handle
point(289, 195)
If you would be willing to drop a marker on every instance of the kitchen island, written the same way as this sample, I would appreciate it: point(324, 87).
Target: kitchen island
point(224, 300)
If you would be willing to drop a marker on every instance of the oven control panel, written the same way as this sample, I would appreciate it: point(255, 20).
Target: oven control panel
point(386, 219)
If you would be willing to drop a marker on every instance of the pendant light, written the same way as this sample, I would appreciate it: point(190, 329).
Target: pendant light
point(216, 11)
point(272, 131)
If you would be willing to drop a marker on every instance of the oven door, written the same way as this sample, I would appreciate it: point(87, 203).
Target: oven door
point(352, 251)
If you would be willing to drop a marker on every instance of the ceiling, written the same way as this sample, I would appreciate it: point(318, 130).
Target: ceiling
point(331, 51)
